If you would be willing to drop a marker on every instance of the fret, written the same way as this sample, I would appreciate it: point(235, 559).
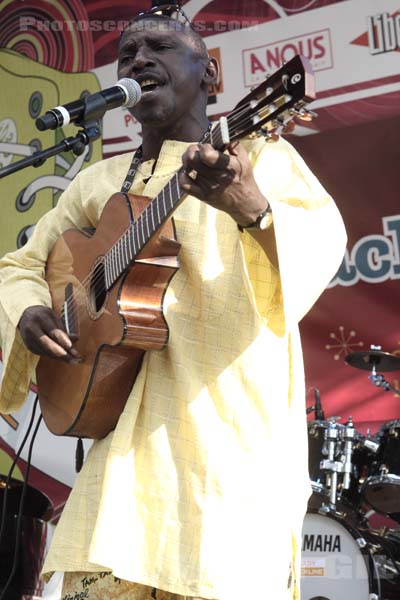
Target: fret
point(135, 237)
point(106, 271)
point(163, 200)
point(110, 273)
point(132, 240)
point(147, 224)
point(176, 184)
point(117, 263)
point(127, 247)
point(170, 193)
point(158, 210)
point(120, 258)
point(111, 265)
point(142, 230)
point(126, 258)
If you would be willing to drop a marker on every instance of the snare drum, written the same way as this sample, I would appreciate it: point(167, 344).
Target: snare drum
point(381, 489)
point(340, 561)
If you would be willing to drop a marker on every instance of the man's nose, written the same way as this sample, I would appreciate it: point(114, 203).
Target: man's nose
point(143, 58)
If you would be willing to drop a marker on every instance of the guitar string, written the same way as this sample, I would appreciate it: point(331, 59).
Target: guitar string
point(143, 221)
point(115, 249)
point(215, 138)
point(133, 233)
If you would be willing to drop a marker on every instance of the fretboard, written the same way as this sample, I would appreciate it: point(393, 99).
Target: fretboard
point(139, 233)
point(132, 242)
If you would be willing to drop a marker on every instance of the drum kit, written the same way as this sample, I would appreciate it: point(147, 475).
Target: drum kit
point(353, 476)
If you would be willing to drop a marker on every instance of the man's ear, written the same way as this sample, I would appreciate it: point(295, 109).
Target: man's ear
point(211, 73)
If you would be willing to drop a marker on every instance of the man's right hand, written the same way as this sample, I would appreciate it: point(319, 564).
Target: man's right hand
point(43, 333)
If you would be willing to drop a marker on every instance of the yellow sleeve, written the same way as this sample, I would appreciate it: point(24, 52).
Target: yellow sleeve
point(309, 232)
point(22, 284)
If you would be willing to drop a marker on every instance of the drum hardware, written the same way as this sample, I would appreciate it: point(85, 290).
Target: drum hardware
point(381, 489)
point(371, 445)
point(348, 437)
point(379, 380)
point(371, 361)
point(338, 467)
point(330, 465)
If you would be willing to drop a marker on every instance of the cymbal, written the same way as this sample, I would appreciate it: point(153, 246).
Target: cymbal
point(383, 361)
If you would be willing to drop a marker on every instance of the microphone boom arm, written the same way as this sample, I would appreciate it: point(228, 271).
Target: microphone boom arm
point(89, 133)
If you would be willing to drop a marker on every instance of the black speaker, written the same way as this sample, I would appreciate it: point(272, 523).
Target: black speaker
point(37, 510)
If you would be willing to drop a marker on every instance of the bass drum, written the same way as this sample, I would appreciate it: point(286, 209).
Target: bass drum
point(339, 561)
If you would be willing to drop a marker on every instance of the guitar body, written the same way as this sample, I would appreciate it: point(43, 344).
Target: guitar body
point(114, 328)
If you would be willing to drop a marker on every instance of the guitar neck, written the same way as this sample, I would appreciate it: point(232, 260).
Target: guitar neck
point(157, 212)
point(263, 112)
point(139, 233)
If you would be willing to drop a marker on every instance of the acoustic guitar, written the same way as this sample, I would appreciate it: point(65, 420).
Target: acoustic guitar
point(108, 285)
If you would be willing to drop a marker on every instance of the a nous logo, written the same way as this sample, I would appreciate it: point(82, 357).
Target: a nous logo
point(383, 33)
point(263, 60)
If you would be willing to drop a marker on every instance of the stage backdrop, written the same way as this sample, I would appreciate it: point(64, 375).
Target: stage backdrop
point(52, 51)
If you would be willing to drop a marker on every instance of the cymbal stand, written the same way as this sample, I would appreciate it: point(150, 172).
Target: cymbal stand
point(348, 437)
point(379, 380)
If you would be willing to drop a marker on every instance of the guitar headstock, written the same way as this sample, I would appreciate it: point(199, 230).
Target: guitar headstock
point(268, 108)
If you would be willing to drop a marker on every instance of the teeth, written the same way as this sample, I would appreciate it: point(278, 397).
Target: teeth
point(148, 82)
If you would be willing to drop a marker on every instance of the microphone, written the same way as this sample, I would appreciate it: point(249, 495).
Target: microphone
point(319, 413)
point(126, 92)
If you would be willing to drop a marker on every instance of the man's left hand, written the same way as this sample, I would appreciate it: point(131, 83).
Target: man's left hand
point(225, 181)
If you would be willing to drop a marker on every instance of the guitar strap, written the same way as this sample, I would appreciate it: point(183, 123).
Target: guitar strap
point(136, 160)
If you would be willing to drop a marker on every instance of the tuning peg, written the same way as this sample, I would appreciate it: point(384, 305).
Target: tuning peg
point(271, 136)
point(303, 114)
point(288, 127)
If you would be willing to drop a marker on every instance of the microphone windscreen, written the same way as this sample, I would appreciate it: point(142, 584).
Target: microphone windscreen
point(133, 90)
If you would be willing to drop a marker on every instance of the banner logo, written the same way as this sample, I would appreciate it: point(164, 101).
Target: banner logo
point(260, 61)
point(373, 258)
point(382, 35)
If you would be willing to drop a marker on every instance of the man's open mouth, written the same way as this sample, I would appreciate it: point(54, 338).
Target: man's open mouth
point(149, 85)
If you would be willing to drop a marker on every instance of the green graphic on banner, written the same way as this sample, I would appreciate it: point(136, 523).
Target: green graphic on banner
point(28, 90)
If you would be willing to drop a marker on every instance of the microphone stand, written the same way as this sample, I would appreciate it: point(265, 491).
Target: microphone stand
point(319, 413)
point(77, 143)
point(95, 108)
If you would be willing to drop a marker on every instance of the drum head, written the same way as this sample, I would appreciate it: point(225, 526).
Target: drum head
point(382, 493)
point(332, 564)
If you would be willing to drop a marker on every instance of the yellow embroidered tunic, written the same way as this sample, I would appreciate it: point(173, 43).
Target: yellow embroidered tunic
point(202, 487)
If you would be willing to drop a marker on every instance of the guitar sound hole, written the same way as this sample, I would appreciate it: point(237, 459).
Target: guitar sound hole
point(98, 292)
